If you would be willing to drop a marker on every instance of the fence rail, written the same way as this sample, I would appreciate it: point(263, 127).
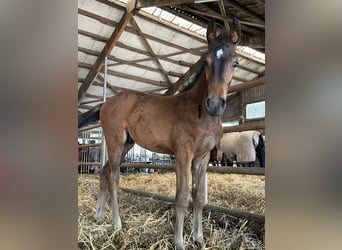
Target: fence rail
point(235, 213)
point(210, 169)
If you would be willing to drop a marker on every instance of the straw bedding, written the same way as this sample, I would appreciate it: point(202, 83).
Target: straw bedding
point(149, 224)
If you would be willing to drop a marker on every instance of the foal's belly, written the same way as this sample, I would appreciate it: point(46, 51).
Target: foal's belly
point(152, 135)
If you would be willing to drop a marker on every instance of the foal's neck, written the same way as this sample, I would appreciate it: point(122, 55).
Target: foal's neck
point(199, 91)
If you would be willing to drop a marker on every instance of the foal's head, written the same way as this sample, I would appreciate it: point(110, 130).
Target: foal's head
point(219, 63)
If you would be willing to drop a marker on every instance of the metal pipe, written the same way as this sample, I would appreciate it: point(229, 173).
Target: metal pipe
point(103, 148)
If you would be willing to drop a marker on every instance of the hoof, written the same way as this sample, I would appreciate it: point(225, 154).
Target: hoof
point(98, 218)
point(178, 246)
point(117, 225)
point(198, 240)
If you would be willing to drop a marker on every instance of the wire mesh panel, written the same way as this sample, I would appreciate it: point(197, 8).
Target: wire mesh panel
point(89, 150)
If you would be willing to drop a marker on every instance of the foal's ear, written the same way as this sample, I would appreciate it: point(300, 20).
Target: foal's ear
point(235, 30)
point(211, 31)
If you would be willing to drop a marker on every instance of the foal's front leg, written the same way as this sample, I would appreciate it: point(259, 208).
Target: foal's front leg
point(199, 195)
point(182, 196)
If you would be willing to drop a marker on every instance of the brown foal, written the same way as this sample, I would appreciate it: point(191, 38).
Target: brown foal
point(187, 125)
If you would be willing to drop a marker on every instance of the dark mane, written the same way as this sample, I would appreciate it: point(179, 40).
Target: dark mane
point(193, 80)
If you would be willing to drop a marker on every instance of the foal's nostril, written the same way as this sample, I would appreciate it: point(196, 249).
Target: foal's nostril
point(208, 102)
point(223, 103)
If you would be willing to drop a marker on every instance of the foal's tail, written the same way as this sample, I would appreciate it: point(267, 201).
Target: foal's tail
point(89, 117)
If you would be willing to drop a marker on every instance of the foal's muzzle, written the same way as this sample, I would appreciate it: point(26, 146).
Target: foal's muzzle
point(215, 105)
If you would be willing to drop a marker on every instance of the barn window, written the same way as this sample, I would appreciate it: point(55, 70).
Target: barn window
point(230, 123)
point(255, 110)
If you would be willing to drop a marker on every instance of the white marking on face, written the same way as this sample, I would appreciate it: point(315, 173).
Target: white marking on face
point(219, 53)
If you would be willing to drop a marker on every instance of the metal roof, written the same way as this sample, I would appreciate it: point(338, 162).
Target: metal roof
point(159, 45)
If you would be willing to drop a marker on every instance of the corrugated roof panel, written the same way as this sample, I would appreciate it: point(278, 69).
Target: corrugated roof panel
point(150, 63)
point(173, 67)
point(83, 57)
point(160, 49)
point(182, 22)
point(126, 54)
point(95, 90)
point(101, 9)
point(186, 57)
point(256, 55)
point(145, 87)
point(167, 34)
point(167, 15)
point(132, 40)
point(82, 72)
point(92, 25)
point(87, 42)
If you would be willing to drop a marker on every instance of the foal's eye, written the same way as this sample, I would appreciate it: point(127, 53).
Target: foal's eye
point(236, 63)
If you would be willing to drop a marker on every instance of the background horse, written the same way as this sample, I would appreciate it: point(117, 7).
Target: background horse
point(187, 125)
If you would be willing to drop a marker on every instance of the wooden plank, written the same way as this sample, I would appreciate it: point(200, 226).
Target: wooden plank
point(90, 145)
point(246, 11)
point(210, 15)
point(210, 169)
point(246, 126)
point(234, 213)
point(224, 15)
point(90, 163)
point(159, 3)
point(247, 85)
point(89, 127)
point(133, 31)
point(137, 78)
point(106, 50)
point(150, 50)
point(127, 76)
point(87, 102)
point(177, 85)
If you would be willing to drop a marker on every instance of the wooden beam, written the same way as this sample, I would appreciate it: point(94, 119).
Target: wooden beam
point(94, 96)
point(85, 65)
point(177, 85)
point(93, 36)
point(234, 213)
point(106, 50)
point(210, 169)
point(159, 3)
point(109, 86)
point(247, 85)
point(84, 106)
point(246, 11)
point(133, 31)
point(249, 69)
point(150, 50)
point(101, 19)
point(224, 15)
point(246, 126)
point(116, 5)
point(218, 17)
point(87, 102)
point(122, 88)
point(136, 78)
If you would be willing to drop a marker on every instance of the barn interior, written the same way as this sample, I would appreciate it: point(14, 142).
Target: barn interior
point(154, 47)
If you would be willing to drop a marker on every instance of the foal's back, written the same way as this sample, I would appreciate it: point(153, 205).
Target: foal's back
point(151, 120)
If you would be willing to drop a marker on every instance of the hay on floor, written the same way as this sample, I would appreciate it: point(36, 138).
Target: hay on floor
point(149, 224)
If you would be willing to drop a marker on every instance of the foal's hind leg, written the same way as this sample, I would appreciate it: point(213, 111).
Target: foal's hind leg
point(199, 194)
point(103, 192)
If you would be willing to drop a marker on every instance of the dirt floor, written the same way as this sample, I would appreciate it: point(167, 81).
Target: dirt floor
point(149, 224)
